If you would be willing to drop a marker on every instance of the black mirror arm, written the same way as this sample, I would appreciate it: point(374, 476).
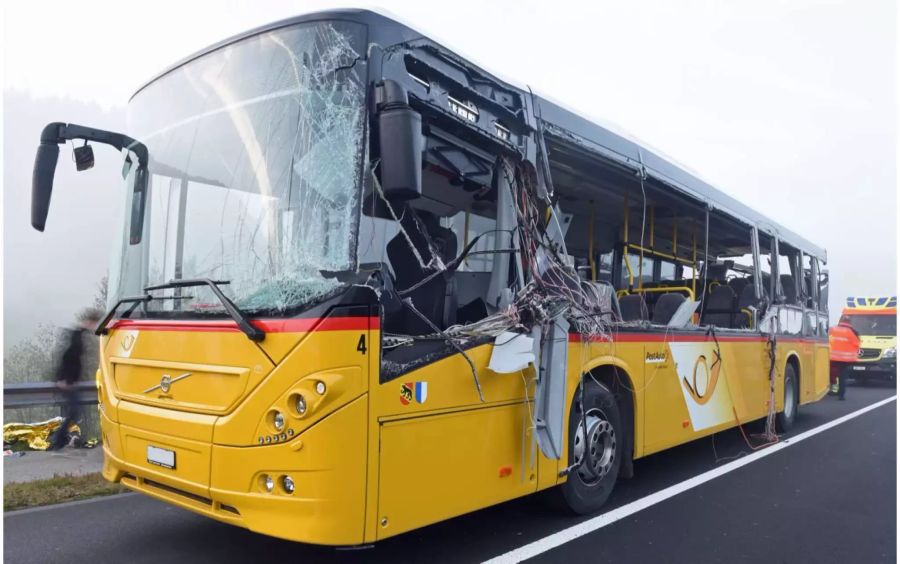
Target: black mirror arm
point(58, 133)
point(102, 328)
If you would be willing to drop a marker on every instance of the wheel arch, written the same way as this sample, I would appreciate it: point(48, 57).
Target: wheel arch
point(619, 382)
point(793, 359)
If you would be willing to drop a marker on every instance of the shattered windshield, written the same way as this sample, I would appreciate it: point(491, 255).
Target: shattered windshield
point(255, 157)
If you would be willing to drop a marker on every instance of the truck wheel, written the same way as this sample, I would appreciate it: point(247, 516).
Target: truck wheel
point(785, 419)
point(595, 456)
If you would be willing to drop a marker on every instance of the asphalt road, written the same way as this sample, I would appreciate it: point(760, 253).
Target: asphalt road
point(829, 498)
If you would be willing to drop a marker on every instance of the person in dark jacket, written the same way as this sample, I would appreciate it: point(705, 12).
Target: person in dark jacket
point(69, 371)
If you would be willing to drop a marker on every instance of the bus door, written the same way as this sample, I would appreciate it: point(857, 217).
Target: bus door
point(443, 452)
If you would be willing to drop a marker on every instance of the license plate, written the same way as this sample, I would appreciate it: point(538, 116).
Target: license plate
point(859, 368)
point(161, 457)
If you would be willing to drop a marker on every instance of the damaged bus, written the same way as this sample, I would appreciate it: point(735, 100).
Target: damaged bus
point(363, 285)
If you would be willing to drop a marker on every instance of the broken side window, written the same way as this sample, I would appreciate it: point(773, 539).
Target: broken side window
point(789, 274)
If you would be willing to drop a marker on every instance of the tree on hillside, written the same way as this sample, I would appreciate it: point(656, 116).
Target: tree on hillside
point(102, 293)
point(33, 359)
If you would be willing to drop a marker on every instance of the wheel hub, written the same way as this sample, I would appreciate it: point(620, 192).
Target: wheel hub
point(600, 444)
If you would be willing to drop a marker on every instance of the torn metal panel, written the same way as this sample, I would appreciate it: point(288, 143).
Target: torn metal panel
point(550, 395)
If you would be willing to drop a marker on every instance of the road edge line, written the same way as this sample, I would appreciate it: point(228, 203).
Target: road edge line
point(569, 534)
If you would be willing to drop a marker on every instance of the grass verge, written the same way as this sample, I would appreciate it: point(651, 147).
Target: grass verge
point(57, 490)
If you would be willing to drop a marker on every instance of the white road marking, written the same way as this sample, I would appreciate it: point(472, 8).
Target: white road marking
point(567, 535)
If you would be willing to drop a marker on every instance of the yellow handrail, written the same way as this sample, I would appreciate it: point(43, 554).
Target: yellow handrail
point(666, 290)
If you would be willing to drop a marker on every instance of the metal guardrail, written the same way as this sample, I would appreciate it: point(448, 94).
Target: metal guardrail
point(34, 394)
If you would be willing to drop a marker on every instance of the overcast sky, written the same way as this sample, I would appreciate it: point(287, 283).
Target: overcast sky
point(788, 106)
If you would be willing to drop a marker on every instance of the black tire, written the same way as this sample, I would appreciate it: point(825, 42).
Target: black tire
point(585, 491)
point(788, 415)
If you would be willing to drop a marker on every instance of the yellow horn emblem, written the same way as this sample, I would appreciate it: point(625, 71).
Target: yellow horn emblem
point(704, 378)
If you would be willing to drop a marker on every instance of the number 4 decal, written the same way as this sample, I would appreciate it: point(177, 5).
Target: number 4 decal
point(361, 345)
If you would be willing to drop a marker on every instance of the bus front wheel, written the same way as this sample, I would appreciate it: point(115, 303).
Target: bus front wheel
point(596, 443)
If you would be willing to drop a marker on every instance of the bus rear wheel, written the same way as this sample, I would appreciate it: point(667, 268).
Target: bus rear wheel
point(787, 416)
point(596, 444)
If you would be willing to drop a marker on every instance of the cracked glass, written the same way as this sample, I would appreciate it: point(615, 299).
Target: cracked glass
point(256, 153)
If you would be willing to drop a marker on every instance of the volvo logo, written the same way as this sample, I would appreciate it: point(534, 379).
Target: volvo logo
point(165, 383)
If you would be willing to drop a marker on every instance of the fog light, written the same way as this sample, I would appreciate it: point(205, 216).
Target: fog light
point(301, 405)
point(288, 483)
point(268, 482)
point(278, 420)
point(320, 388)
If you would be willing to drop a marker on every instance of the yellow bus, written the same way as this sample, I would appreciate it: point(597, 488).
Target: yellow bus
point(363, 285)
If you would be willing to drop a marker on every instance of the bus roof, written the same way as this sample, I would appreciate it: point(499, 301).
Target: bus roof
point(563, 122)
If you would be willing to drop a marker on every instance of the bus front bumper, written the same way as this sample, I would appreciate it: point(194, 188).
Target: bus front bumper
point(326, 507)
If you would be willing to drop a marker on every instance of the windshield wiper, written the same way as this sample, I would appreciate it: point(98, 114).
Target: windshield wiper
point(253, 333)
point(102, 328)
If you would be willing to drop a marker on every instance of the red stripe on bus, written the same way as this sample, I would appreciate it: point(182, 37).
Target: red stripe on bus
point(298, 325)
point(664, 338)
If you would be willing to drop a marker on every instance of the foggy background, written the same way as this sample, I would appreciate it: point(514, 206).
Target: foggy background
point(789, 107)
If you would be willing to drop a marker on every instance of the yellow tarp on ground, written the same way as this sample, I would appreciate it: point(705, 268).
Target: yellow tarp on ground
point(36, 435)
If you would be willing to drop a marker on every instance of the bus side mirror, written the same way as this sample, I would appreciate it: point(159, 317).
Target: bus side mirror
point(42, 183)
point(48, 154)
point(401, 141)
point(138, 201)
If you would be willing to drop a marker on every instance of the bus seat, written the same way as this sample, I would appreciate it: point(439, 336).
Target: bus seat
point(633, 308)
point(720, 307)
point(747, 297)
point(605, 294)
point(787, 286)
point(666, 306)
point(738, 284)
point(430, 299)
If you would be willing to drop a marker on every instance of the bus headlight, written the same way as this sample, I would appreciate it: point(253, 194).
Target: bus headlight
point(267, 482)
point(890, 353)
point(288, 484)
point(300, 404)
point(278, 421)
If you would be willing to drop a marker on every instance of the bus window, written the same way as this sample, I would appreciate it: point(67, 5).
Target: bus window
point(766, 267)
point(640, 270)
point(823, 289)
point(374, 234)
point(807, 288)
point(473, 278)
point(479, 260)
point(788, 274)
point(667, 270)
point(604, 267)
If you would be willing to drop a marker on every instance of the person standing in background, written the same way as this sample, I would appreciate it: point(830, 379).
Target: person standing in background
point(69, 371)
point(843, 342)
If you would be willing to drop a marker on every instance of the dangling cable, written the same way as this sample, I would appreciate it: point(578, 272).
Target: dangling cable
point(408, 303)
